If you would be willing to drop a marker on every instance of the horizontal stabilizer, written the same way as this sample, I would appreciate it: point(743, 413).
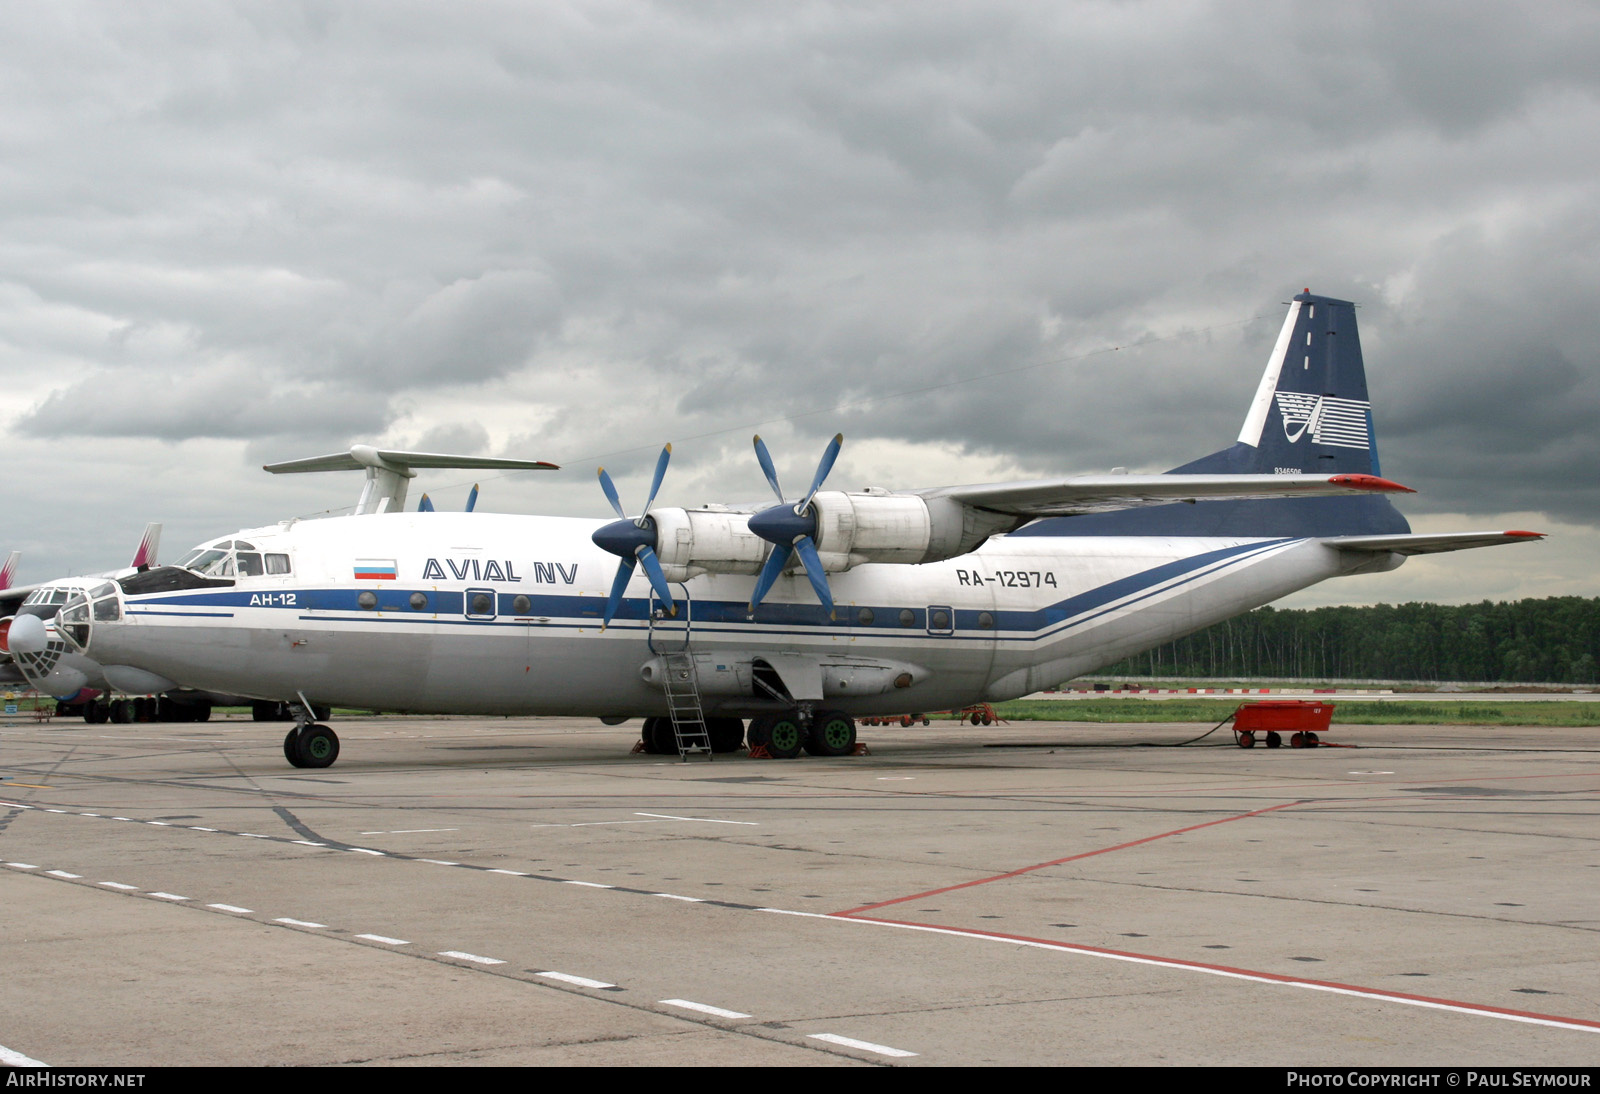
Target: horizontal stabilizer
point(1076, 494)
point(1430, 544)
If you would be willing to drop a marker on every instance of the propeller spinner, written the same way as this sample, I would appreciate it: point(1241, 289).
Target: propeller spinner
point(792, 530)
point(633, 539)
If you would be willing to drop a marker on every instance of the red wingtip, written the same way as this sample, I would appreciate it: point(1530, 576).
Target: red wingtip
point(1525, 535)
point(1371, 482)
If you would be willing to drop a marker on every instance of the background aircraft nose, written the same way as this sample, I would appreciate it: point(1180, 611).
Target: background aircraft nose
point(27, 635)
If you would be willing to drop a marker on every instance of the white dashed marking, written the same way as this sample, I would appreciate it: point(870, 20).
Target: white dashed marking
point(370, 851)
point(234, 908)
point(702, 820)
point(703, 1008)
point(12, 1058)
point(22, 865)
point(62, 873)
point(168, 896)
point(580, 981)
point(864, 1046)
point(589, 884)
point(301, 923)
point(461, 956)
point(675, 896)
point(513, 873)
point(385, 939)
point(119, 885)
point(438, 862)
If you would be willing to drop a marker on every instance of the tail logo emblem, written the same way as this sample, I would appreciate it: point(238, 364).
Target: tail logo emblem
point(1342, 423)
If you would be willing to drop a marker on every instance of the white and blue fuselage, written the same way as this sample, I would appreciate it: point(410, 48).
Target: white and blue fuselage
point(501, 614)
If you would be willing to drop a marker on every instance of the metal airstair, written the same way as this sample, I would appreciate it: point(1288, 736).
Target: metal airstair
point(683, 704)
point(682, 684)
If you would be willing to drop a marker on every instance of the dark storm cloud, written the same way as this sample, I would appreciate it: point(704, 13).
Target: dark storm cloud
point(575, 231)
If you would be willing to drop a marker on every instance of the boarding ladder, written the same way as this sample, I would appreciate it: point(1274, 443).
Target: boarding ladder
point(669, 640)
point(683, 704)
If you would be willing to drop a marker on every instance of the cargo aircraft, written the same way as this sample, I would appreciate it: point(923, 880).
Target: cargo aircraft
point(798, 617)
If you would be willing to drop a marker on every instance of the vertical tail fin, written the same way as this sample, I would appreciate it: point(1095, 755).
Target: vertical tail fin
point(149, 546)
point(8, 571)
point(1310, 416)
point(1311, 412)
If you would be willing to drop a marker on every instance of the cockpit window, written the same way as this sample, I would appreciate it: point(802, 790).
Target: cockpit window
point(210, 563)
point(231, 557)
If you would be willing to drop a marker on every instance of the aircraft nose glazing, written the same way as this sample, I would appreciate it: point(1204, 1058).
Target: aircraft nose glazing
point(72, 623)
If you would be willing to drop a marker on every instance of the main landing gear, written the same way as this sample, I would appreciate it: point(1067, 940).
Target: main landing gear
point(309, 743)
point(783, 736)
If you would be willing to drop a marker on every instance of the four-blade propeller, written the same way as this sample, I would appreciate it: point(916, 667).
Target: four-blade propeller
point(792, 530)
point(634, 540)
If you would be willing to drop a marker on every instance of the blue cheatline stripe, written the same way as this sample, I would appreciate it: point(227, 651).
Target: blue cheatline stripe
point(443, 608)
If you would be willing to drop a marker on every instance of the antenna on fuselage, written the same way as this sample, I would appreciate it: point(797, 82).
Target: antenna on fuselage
point(389, 471)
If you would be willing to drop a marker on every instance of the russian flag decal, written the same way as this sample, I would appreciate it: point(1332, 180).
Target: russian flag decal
point(376, 569)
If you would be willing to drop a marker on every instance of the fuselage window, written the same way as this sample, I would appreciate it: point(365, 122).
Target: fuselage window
point(278, 564)
point(250, 564)
point(908, 618)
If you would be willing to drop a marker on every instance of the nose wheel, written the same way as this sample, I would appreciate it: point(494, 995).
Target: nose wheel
point(311, 746)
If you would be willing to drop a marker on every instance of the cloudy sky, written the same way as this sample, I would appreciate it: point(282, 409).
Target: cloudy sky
point(983, 240)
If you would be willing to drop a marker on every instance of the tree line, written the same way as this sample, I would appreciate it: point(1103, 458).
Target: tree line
point(1553, 640)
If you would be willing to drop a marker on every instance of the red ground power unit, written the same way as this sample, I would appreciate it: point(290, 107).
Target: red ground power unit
point(1302, 719)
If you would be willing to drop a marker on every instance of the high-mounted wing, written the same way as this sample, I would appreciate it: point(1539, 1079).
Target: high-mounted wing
point(388, 470)
point(1078, 494)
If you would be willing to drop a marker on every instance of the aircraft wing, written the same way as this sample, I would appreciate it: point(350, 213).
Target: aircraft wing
point(1430, 543)
point(1077, 494)
point(361, 456)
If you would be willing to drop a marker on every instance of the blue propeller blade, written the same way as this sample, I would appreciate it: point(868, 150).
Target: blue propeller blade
point(765, 459)
point(658, 578)
point(791, 530)
point(819, 579)
point(631, 539)
point(618, 585)
point(828, 456)
point(776, 561)
point(655, 483)
point(611, 494)
point(472, 498)
point(425, 505)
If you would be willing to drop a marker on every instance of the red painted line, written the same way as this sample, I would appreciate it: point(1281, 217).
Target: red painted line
point(1070, 858)
point(1482, 1009)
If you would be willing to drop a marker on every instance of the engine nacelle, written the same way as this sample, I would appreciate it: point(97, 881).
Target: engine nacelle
point(852, 529)
point(877, 526)
point(690, 542)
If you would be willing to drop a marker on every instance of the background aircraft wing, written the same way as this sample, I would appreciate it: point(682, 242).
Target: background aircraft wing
point(362, 456)
point(1076, 494)
point(1430, 544)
